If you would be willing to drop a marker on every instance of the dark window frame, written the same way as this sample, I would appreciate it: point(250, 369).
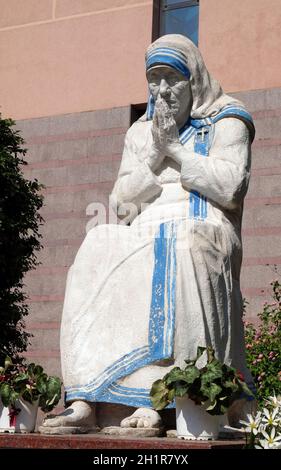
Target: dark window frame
point(159, 7)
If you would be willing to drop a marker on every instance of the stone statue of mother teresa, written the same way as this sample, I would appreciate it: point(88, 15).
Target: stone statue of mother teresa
point(140, 298)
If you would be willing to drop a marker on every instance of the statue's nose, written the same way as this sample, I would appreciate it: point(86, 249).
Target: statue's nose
point(164, 88)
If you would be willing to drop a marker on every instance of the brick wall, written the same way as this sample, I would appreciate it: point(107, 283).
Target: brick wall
point(262, 214)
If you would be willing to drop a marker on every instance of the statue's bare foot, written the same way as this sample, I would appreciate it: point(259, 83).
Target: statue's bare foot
point(79, 414)
point(142, 418)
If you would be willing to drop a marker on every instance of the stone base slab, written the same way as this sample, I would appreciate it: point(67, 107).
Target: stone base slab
point(101, 441)
point(132, 432)
point(66, 430)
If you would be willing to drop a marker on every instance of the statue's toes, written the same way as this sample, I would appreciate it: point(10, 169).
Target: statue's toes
point(133, 422)
point(129, 423)
point(53, 422)
point(144, 423)
point(147, 423)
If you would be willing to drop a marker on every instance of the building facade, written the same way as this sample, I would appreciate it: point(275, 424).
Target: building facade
point(72, 75)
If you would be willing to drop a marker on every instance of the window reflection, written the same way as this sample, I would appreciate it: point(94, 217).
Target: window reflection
point(180, 17)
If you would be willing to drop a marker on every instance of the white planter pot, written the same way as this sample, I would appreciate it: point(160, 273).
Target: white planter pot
point(194, 423)
point(23, 422)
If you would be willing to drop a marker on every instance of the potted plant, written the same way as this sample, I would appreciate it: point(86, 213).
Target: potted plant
point(24, 387)
point(203, 392)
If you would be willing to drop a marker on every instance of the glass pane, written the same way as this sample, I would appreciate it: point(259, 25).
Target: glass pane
point(181, 21)
point(172, 2)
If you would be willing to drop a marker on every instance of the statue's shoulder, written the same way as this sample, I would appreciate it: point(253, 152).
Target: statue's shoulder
point(138, 131)
point(235, 120)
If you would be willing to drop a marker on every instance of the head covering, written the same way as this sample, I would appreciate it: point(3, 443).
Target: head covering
point(179, 52)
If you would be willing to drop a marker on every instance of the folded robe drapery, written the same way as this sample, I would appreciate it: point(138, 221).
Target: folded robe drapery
point(140, 299)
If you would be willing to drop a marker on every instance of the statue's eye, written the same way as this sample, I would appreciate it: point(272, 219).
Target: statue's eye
point(153, 78)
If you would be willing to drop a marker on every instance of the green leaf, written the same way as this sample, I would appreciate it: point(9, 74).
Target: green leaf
point(31, 368)
point(21, 377)
point(231, 385)
point(174, 374)
point(8, 362)
point(211, 391)
point(210, 354)
point(212, 406)
point(41, 384)
point(213, 371)
point(38, 370)
point(191, 374)
point(6, 394)
point(180, 389)
point(159, 395)
point(171, 395)
point(246, 389)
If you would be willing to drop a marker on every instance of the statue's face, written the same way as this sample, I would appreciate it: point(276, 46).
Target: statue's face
point(174, 88)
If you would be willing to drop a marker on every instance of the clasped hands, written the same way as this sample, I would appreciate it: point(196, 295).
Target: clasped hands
point(165, 136)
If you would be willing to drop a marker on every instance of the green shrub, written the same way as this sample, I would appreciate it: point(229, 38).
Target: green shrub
point(20, 200)
point(263, 347)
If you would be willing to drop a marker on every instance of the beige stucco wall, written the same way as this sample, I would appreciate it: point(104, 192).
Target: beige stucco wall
point(240, 41)
point(62, 56)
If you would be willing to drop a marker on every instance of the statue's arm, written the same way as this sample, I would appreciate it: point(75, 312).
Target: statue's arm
point(223, 176)
point(136, 183)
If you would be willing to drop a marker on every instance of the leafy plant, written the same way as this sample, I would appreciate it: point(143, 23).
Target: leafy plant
point(20, 200)
point(29, 382)
point(215, 385)
point(263, 347)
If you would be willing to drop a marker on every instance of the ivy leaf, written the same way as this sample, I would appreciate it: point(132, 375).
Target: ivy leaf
point(38, 370)
point(211, 391)
point(159, 395)
point(213, 372)
point(191, 374)
point(5, 394)
point(246, 389)
point(21, 377)
point(180, 389)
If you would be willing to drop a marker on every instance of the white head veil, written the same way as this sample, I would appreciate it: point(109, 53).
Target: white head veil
point(208, 96)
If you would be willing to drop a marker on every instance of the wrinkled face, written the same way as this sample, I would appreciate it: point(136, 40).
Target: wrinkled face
point(174, 88)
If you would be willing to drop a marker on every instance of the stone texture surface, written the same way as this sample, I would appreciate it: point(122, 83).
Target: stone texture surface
point(132, 432)
point(97, 441)
point(15, 13)
point(66, 7)
point(64, 430)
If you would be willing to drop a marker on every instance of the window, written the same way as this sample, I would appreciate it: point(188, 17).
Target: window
point(179, 17)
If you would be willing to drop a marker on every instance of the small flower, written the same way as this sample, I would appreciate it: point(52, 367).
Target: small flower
point(253, 423)
point(260, 356)
point(272, 438)
point(274, 400)
point(270, 418)
point(263, 444)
